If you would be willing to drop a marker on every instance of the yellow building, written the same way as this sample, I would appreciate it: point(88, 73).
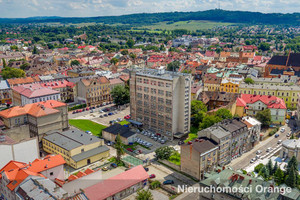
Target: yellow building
point(77, 148)
point(212, 84)
point(286, 92)
point(228, 85)
point(94, 91)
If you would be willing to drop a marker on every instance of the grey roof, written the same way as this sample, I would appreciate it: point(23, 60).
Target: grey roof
point(41, 188)
point(270, 87)
point(119, 129)
point(291, 144)
point(161, 74)
point(4, 85)
point(92, 152)
point(71, 139)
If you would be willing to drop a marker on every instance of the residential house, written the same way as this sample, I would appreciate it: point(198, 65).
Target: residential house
point(67, 89)
point(286, 92)
point(5, 93)
point(250, 105)
point(110, 133)
point(94, 91)
point(212, 83)
point(76, 147)
point(14, 173)
point(229, 85)
point(33, 93)
point(254, 127)
point(20, 81)
point(199, 157)
point(80, 73)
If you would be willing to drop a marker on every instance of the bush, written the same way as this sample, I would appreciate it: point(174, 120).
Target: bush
point(273, 131)
point(154, 185)
point(77, 107)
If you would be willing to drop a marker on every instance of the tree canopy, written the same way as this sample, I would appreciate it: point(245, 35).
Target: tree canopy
point(264, 117)
point(249, 80)
point(9, 72)
point(120, 95)
point(173, 66)
point(75, 62)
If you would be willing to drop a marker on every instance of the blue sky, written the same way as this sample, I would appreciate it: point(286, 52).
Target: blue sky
point(86, 8)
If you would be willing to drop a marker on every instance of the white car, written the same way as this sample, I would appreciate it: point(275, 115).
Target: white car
point(269, 149)
point(279, 141)
point(282, 130)
point(252, 160)
point(258, 152)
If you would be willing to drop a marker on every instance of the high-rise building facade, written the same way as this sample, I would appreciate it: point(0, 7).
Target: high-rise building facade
point(161, 100)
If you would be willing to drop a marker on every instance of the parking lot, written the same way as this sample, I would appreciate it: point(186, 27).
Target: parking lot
point(108, 113)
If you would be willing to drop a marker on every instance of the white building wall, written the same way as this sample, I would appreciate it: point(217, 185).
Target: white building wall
point(26, 151)
point(58, 172)
point(6, 154)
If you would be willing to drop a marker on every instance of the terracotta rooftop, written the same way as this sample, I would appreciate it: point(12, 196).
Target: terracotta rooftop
point(17, 81)
point(270, 101)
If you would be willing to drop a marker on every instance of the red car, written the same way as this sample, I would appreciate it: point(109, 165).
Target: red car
point(129, 149)
point(152, 176)
point(127, 117)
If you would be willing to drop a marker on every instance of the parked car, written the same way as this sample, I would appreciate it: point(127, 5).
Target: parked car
point(152, 176)
point(162, 141)
point(129, 149)
point(73, 112)
point(279, 141)
point(104, 168)
point(257, 157)
point(180, 142)
point(252, 160)
point(105, 115)
point(146, 169)
point(276, 135)
point(168, 182)
point(88, 132)
point(258, 152)
point(101, 116)
point(114, 165)
point(282, 130)
point(269, 149)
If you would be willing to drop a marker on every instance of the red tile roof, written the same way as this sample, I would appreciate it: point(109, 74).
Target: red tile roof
point(270, 101)
point(17, 172)
point(34, 90)
point(116, 184)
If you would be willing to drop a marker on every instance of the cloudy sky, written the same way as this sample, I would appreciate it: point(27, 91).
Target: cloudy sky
point(86, 8)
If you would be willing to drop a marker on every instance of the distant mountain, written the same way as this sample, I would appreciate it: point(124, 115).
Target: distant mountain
point(150, 18)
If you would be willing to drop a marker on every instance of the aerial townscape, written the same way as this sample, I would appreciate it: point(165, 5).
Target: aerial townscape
point(152, 106)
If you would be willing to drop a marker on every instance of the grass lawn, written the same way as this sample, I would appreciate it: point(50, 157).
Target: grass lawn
point(175, 158)
point(87, 125)
point(124, 122)
point(191, 25)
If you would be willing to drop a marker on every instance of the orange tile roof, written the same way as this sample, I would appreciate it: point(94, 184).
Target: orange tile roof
point(89, 171)
point(102, 80)
point(17, 81)
point(72, 178)
point(17, 172)
point(36, 109)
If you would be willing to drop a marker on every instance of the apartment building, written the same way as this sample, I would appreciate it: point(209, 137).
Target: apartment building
point(38, 117)
point(232, 136)
point(229, 85)
point(5, 92)
point(199, 157)
point(286, 92)
point(33, 93)
point(250, 105)
point(94, 91)
point(161, 100)
point(76, 147)
point(212, 83)
point(66, 89)
point(290, 148)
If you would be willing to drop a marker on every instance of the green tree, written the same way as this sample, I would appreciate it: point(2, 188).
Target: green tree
point(249, 80)
point(247, 42)
point(114, 61)
point(164, 153)
point(279, 176)
point(14, 47)
point(270, 167)
point(264, 172)
point(75, 62)
point(197, 118)
point(9, 72)
point(119, 146)
point(197, 106)
point(258, 167)
point(275, 168)
point(224, 113)
point(124, 52)
point(264, 46)
point(173, 66)
point(208, 121)
point(130, 43)
point(25, 66)
point(264, 117)
point(291, 179)
point(35, 50)
point(144, 195)
point(132, 55)
point(292, 164)
point(120, 95)
point(3, 63)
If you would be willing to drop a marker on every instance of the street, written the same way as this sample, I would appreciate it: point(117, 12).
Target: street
point(244, 161)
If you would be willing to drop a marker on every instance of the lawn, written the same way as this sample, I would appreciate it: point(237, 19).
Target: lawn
point(175, 158)
point(87, 125)
point(193, 134)
point(124, 122)
point(191, 25)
